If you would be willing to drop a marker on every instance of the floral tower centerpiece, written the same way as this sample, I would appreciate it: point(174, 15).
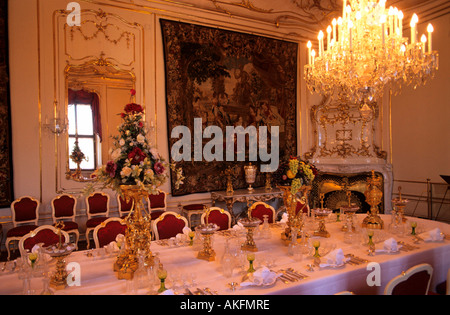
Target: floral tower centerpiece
point(135, 170)
point(294, 177)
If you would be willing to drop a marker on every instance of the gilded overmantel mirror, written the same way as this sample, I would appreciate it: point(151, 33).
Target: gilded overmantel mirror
point(96, 93)
point(96, 65)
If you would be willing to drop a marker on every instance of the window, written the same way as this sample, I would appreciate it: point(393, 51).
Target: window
point(81, 128)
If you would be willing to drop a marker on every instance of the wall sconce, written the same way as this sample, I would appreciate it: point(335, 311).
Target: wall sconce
point(56, 125)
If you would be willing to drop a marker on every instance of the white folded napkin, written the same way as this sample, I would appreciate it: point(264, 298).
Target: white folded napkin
point(284, 218)
point(389, 246)
point(434, 235)
point(262, 276)
point(186, 231)
point(239, 227)
point(334, 258)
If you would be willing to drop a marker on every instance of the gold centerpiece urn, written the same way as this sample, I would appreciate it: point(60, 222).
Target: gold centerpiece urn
point(207, 230)
point(374, 196)
point(321, 214)
point(250, 224)
point(399, 205)
point(250, 175)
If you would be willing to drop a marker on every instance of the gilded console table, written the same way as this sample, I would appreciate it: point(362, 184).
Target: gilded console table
point(246, 196)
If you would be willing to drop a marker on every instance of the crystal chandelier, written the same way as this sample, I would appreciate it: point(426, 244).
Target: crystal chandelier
point(366, 51)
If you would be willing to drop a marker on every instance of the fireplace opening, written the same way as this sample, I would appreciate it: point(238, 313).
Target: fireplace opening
point(335, 187)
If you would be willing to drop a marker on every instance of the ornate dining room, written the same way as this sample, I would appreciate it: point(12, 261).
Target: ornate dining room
point(237, 148)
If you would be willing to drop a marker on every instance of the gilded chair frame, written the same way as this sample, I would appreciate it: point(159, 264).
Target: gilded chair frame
point(262, 203)
point(70, 218)
point(404, 276)
point(99, 214)
point(103, 225)
point(16, 224)
point(161, 218)
point(36, 231)
point(205, 215)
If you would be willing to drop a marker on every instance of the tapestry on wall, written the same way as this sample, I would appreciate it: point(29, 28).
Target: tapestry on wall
point(6, 194)
point(223, 78)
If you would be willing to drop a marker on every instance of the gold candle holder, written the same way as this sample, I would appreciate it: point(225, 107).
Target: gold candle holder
point(400, 204)
point(207, 230)
point(321, 214)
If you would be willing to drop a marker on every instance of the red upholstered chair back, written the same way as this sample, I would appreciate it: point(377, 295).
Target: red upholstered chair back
point(64, 207)
point(46, 234)
point(107, 231)
point(25, 210)
point(157, 202)
point(415, 281)
point(218, 216)
point(124, 206)
point(168, 225)
point(97, 204)
point(259, 209)
point(302, 206)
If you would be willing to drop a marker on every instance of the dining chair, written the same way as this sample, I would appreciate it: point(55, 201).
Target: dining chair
point(190, 210)
point(168, 225)
point(124, 206)
point(259, 209)
point(97, 209)
point(25, 216)
point(107, 231)
point(218, 216)
point(157, 204)
point(64, 209)
point(46, 234)
point(302, 205)
point(415, 281)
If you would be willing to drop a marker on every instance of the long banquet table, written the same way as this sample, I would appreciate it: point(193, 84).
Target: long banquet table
point(98, 277)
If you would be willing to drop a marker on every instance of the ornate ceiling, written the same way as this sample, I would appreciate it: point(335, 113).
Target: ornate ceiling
point(307, 14)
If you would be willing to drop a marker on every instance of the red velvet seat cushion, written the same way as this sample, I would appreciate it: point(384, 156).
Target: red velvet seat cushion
point(193, 207)
point(170, 226)
point(157, 201)
point(25, 210)
point(221, 219)
point(21, 230)
point(109, 233)
point(48, 237)
point(92, 223)
point(415, 285)
point(98, 203)
point(64, 206)
point(69, 225)
point(260, 210)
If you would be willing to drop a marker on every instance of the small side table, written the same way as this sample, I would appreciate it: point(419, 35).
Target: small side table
point(193, 209)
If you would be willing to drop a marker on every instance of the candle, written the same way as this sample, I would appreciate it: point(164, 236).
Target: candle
point(383, 28)
point(350, 27)
point(334, 23)
point(414, 21)
point(391, 20)
point(309, 45)
point(339, 22)
point(313, 55)
point(320, 37)
point(344, 8)
point(328, 37)
point(430, 30)
point(400, 23)
point(423, 39)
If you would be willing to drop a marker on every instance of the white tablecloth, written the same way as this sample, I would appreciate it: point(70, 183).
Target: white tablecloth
point(98, 277)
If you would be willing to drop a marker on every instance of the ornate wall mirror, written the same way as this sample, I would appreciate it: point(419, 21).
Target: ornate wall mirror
point(96, 93)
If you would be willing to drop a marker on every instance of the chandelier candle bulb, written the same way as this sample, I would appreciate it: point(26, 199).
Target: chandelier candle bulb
point(334, 23)
point(430, 30)
point(320, 37)
point(309, 45)
point(313, 55)
point(339, 22)
point(328, 37)
point(400, 23)
point(423, 39)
